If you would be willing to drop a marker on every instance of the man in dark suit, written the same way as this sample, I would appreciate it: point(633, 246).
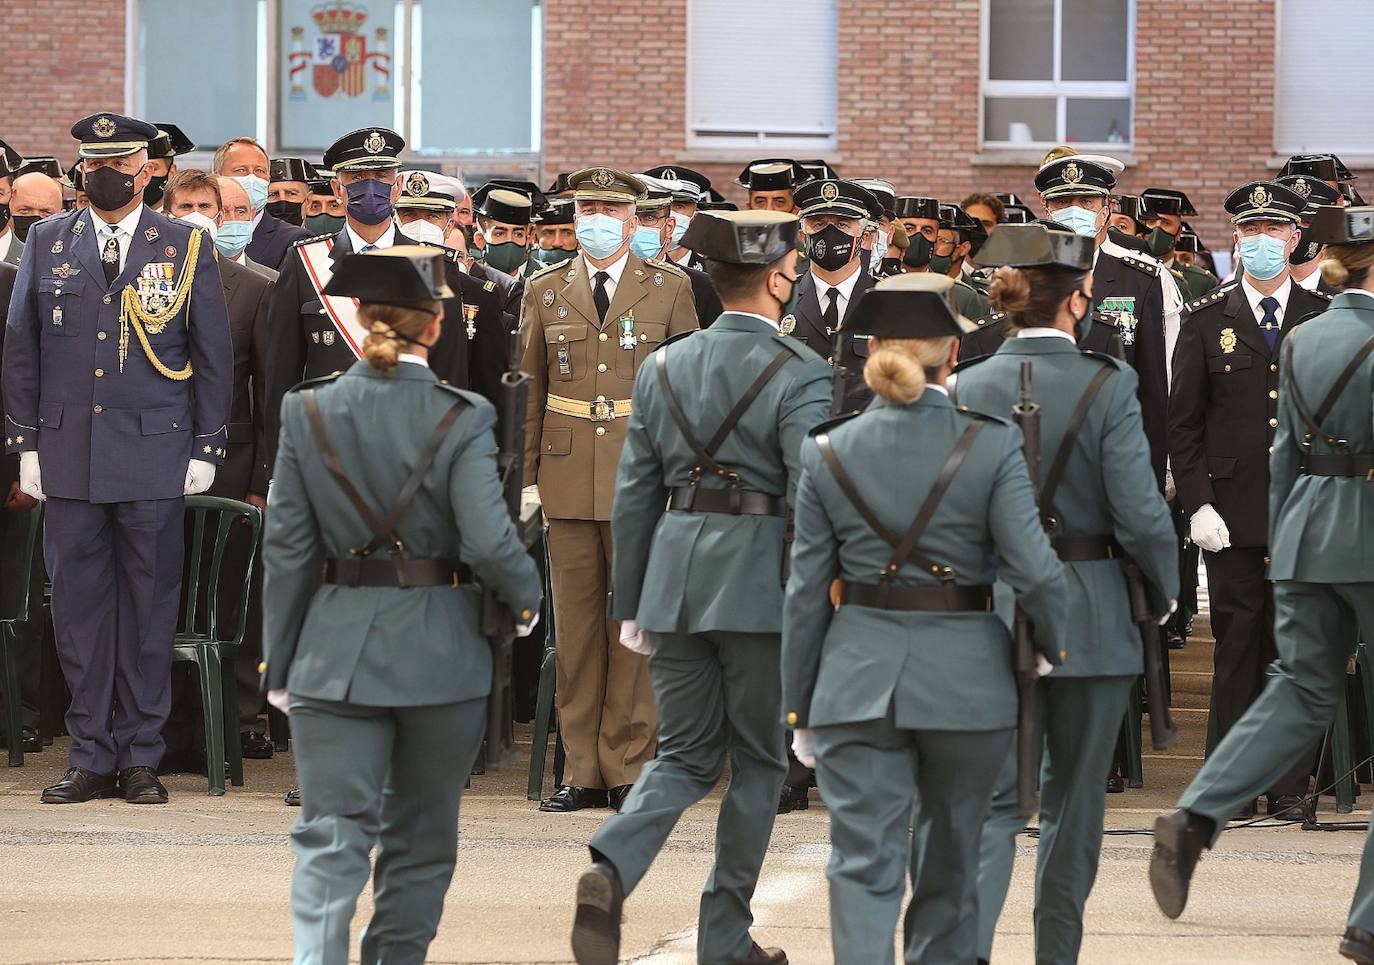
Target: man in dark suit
point(654, 229)
point(244, 160)
point(1223, 412)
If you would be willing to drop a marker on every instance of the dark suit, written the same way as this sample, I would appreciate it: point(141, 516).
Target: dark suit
point(1102, 336)
point(811, 331)
point(272, 240)
point(1223, 411)
point(708, 302)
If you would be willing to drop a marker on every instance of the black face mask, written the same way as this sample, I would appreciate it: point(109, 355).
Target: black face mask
point(152, 193)
point(22, 224)
point(288, 211)
point(4, 216)
point(1306, 249)
point(890, 266)
point(108, 189)
point(918, 252)
point(791, 290)
point(831, 248)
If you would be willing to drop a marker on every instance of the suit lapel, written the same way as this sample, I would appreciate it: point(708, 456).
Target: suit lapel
point(343, 245)
point(1247, 329)
point(861, 285)
point(577, 290)
point(142, 249)
point(86, 247)
point(808, 305)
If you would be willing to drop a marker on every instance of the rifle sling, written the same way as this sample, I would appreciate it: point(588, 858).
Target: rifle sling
point(383, 530)
point(1314, 422)
point(1061, 456)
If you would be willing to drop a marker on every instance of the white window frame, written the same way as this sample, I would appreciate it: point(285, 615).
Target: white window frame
point(1059, 89)
point(756, 143)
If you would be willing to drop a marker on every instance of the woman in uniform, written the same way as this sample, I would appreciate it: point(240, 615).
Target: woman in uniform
point(897, 675)
point(1100, 503)
point(385, 483)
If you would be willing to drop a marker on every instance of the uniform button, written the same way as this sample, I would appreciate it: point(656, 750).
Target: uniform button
point(600, 430)
point(792, 717)
point(1228, 368)
point(1271, 450)
point(107, 299)
point(644, 336)
point(1273, 393)
point(1273, 423)
point(562, 338)
point(175, 426)
point(601, 367)
point(102, 336)
point(603, 336)
point(99, 373)
point(601, 398)
point(262, 667)
point(99, 409)
point(1274, 367)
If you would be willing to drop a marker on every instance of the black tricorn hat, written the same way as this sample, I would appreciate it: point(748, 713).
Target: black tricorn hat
point(1352, 194)
point(290, 169)
point(908, 206)
point(170, 142)
point(1323, 167)
point(41, 165)
point(1036, 246)
point(10, 159)
point(504, 204)
point(743, 237)
point(1187, 242)
point(1010, 198)
point(911, 305)
point(772, 174)
point(1133, 207)
point(1017, 214)
point(1168, 201)
point(1334, 225)
point(1314, 191)
point(556, 211)
point(404, 275)
point(73, 177)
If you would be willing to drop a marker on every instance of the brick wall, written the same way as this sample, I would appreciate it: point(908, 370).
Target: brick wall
point(64, 59)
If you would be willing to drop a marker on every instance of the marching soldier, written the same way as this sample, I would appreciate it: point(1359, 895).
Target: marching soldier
point(718, 422)
point(1223, 414)
point(1321, 511)
point(117, 377)
point(389, 477)
point(901, 689)
point(586, 326)
point(1100, 495)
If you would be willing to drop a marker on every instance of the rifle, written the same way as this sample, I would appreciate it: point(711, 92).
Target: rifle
point(1026, 412)
point(498, 622)
point(1163, 733)
point(839, 378)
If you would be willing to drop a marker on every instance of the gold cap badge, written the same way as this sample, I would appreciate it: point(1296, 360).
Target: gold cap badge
point(603, 178)
point(830, 191)
point(104, 127)
point(374, 143)
point(417, 185)
point(1259, 197)
point(1072, 173)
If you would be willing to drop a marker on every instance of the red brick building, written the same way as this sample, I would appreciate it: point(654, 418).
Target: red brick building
point(941, 97)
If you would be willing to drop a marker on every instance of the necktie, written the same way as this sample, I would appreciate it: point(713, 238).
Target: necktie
point(367, 248)
point(599, 295)
point(1270, 322)
point(109, 259)
point(832, 312)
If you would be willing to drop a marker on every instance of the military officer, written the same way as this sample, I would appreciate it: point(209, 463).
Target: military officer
point(656, 225)
point(117, 377)
point(503, 209)
point(770, 183)
point(586, 327)
point(1164, 211)
point(1128, 286)
point(1223, 412)
point(954, 243)
point(312, 334)
point(1304, 265)
point(555, 234)
point(920, 218)
point(163, 151)
point(689, 188)
point(426, 205)
point(699, 584)
point(877, 237)
point(11, 248)
point(288, 187)
point(1321, 510)
point(901, 689)
point(1106, 508)
point(388, 477)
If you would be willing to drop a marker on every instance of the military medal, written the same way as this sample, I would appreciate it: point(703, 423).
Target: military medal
point(57, 315)
point(1228, 341)
point(1122, 310)
point(561, 311)
point(470, 316)
point(564, 361)
point(627, 331)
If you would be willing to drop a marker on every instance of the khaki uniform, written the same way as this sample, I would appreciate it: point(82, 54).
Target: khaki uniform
point(578, 365)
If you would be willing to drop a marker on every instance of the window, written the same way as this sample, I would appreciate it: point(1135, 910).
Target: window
point(786, 97)
point(1057, 72)
point(1323, 110)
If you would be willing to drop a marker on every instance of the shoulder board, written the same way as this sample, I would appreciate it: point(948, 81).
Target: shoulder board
point(549, 268)
point(451, 255)
point(489, 286)
point(312, 383)
point(59, 216)
point(1088, 353)
point(468, 397)
point(1140, 264)
point(990, 318)
point(967, 364)
point(1211, 298)
point(975, 414)
point(675, 338)
point(829, 424)
point(311, 240)
point(798, 347)
point(960, 283)
point(665, 266)
point(1324, 296)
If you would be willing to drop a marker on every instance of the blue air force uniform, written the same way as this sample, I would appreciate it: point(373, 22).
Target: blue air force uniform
point(117, 385)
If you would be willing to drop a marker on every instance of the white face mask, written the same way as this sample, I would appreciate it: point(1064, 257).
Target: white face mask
point(201, 221)
point(424, 232)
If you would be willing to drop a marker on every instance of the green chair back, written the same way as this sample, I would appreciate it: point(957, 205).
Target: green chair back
point(214, 518)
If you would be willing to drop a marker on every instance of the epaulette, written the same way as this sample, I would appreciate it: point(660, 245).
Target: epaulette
point(469, 398)
point(675, 338)
point(310, 383)
point(453, 256)
point(967, 364)
point(311, 240)
point(1324, 296)
point(976, 414)
point(665, 266)
point(989, 318)
point(1139, 264)
point(1104, 357)
point(489, 286)
point(546, 269)
point(1211, 298)
point(829, 424)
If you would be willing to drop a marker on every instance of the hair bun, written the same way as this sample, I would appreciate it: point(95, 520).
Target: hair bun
point(1009, 291)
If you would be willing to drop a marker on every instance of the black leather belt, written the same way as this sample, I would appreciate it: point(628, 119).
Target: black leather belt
point(1080, 549)
point(949, 597)
point(1339, 464)
point(735, 501)
point(392, 571)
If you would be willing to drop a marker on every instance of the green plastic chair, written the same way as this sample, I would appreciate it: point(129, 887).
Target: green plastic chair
point(1342, 727)
point(16, 629)
point(545, 716)
point(205, 637)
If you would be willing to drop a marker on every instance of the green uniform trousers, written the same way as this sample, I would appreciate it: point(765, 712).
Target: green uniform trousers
point(905, 801)
point(1078, 719)
point(719, 696)
point(389, 776)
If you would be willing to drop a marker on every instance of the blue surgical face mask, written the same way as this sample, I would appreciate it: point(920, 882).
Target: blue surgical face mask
point(880, 245)
point(600, 235)
point(1263, 257)
point(256, 188)
point(680, 223)
point(369, 201)
point(1078, 220)
point(645, 242)
point(232, 237)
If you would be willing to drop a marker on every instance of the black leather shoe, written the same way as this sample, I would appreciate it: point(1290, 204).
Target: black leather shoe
point(765, 956)
point(1358, 946)
point(1176, 640)
point(293, 798)
point(1287, 807)
point(141, 786)
point(1179, 840)
point(79, 785)
point(616, 796)
point(255, 746)
point(571, 798)
point(1116, 784)
point(793, 799)
point(596, 928)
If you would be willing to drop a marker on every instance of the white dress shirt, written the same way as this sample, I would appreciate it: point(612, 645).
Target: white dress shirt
point(387, 239)
point(846, 289)
point(1310, 282)
point(412, 359)
point(614, 270)
point(938, 388)
point(122, 230)
point(1253, 295)
point(1037, 332)
point(6, 239)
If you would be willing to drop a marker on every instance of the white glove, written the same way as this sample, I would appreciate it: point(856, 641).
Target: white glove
point(280, 699)
point(200, 476)
point(1173, 608)
point(634, 639)
point(525, 629)
point(30, 481)
point(1208, 530)
point(1042, 666)
point(804, 745)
